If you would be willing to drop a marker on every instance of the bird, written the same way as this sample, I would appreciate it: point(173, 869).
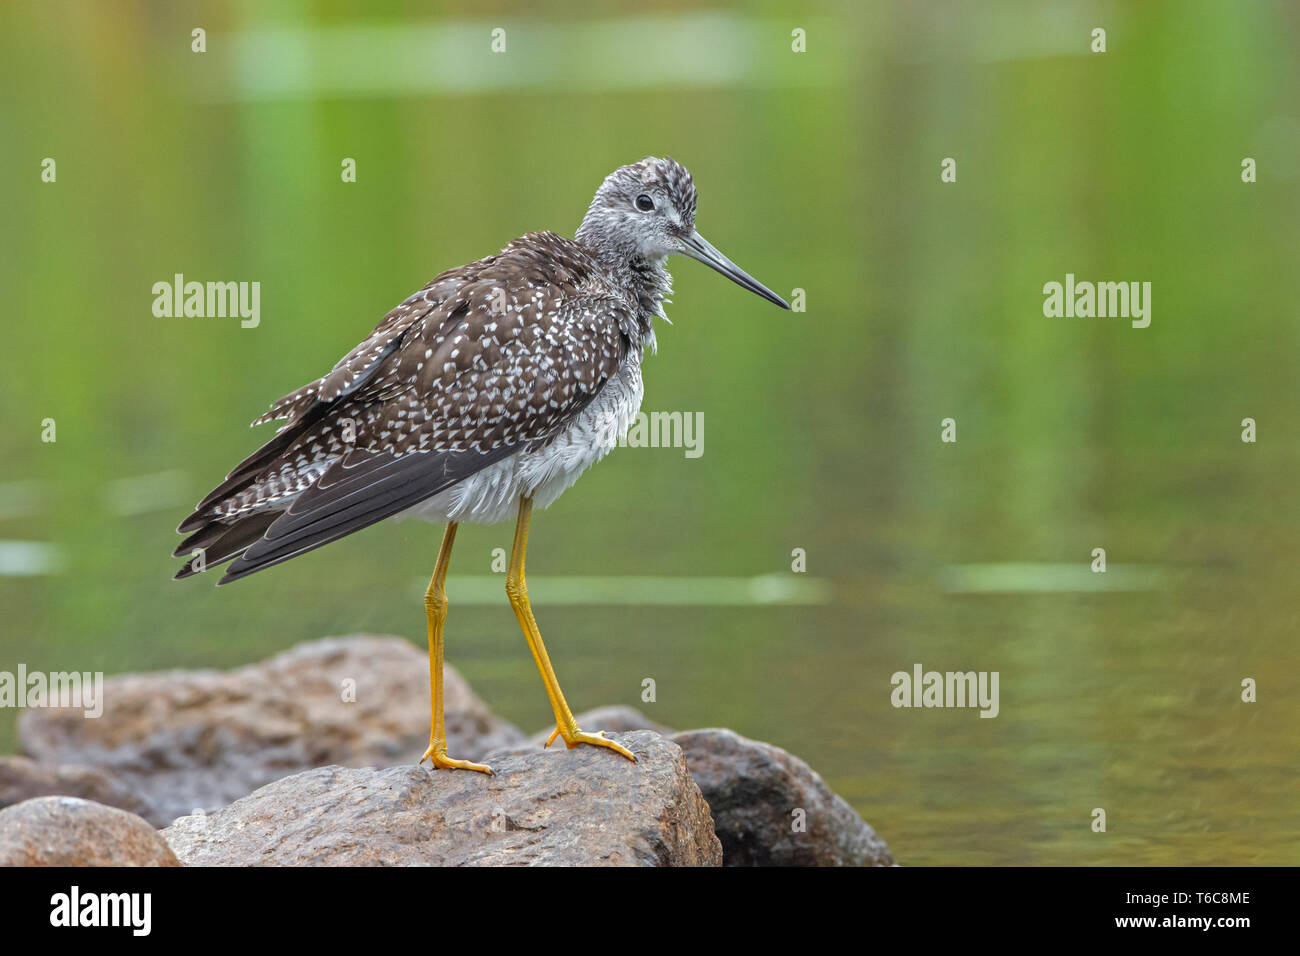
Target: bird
point(487, 392)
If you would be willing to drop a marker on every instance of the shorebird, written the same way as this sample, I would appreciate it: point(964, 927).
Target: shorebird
point(491, 389)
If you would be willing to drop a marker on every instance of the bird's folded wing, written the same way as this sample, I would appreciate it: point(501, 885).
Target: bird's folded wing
point(361, 363)
point(516, 347)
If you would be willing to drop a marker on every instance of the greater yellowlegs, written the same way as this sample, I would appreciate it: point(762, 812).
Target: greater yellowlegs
point(492, 388)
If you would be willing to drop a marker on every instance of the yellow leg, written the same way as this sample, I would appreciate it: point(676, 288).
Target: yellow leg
point(517, 590)
point(435, 609)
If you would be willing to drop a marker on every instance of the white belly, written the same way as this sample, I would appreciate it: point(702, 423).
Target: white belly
point(493, 494)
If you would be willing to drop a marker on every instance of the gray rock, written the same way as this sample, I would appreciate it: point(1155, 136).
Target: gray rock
point(558, 807)
point(616, 719)
point(68, 831)
point(754, 789)
point(199, 739)
point(23, 779)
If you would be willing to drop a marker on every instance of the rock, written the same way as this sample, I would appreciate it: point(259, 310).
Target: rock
point(23, 779)
point(617, 719)
point(68, 831)
point(753, 788)
point(557, 807)
point(200, 739)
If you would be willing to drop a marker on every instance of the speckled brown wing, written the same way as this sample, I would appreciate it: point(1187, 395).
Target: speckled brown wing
point(308, 441)
point(490, 358)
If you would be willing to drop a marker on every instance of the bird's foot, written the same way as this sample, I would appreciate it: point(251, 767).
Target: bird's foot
point(575, 737)
point(437, 755)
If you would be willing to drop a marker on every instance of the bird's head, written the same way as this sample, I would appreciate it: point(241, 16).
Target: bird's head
point(646, 212)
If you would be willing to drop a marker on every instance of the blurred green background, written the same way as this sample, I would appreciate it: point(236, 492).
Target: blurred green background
point(817, 170)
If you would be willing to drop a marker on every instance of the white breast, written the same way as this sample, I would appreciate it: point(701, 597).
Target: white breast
point(493, 494)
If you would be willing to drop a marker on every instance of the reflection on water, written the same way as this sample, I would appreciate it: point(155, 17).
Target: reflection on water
point(924, 303)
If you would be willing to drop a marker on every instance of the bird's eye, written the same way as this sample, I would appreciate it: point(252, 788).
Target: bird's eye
point(644, 203)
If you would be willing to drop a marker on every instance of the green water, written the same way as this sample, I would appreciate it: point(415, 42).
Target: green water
point(817, 171)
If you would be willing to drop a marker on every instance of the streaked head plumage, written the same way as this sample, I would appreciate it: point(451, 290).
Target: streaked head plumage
point(642, 210)
point(645, 212)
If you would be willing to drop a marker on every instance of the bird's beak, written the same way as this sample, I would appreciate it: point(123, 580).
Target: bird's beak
point(697, 247)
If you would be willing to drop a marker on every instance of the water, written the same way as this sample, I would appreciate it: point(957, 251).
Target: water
point(822, 427)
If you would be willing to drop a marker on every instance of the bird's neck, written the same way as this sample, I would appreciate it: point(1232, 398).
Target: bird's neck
point(641, 278)
point(649, 284)
point(644, 280)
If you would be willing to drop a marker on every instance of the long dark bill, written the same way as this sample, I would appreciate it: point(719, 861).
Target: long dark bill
point(697, 247)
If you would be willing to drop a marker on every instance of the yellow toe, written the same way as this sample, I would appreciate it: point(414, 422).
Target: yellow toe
point(598, 739)
point(438, 756)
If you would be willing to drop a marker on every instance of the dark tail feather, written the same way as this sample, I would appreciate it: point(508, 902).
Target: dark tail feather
point(248, 470)
point(221, 542)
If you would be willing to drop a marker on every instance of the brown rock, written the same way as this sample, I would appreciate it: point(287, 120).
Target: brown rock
point(561, 807)
point(200, 739)
point(23, 779)
point(754, 789)
point(68, 831)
